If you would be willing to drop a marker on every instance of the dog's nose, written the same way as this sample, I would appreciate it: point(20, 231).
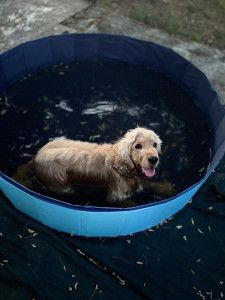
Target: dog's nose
point(153, 160)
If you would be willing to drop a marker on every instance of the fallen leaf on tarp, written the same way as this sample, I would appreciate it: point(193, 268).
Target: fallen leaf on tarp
point(96, 288)
point(30, 230)
point(179, 226)
point(139, 262)
point(185, 238)
point(200, 231)
point(33, 245)
point(75, 285)
point(70, 288)
point(121, 281)
point(192, 221)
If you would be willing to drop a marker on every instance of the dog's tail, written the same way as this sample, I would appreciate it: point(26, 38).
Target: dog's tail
point(25, 176)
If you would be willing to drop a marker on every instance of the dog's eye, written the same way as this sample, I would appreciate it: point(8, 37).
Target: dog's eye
point(138, 146)
point(155, 145)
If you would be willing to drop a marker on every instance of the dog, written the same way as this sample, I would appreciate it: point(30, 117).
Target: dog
point(121, 167)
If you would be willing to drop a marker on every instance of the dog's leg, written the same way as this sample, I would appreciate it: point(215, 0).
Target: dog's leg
point(112, 196)
point(162, 188)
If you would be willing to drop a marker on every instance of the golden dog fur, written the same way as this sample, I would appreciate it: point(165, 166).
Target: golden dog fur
point(120, 167)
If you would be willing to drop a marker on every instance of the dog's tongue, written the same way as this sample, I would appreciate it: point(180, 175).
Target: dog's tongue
point(149, 172)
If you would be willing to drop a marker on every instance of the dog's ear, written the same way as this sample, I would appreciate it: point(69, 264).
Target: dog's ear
point(123, 163)
point(159, 144)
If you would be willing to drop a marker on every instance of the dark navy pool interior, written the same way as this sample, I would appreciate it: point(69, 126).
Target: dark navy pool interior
point(99, 102)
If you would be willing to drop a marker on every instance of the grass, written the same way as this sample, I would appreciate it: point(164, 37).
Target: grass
point(198, 20)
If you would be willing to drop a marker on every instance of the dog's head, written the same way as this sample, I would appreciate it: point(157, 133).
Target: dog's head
point(138, 153)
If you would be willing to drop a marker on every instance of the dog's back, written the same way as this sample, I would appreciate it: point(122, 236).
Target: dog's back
point(62, 163)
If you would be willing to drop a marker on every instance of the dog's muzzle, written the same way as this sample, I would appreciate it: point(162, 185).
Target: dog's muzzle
point(153, 160)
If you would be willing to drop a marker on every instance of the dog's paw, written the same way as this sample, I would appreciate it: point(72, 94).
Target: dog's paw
point(167, 189)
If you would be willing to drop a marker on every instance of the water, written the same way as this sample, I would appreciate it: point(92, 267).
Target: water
point(99, 102)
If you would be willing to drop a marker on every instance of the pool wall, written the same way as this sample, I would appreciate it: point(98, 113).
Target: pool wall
point(96, 221)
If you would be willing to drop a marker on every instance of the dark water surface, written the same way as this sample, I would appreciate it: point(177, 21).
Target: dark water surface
point(99, 102)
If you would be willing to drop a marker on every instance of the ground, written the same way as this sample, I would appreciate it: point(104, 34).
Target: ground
point(198, 20)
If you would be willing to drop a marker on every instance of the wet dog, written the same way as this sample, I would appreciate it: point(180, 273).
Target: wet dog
point(121, 167)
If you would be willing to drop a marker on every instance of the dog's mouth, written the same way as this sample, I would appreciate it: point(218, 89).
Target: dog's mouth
point(149, 172)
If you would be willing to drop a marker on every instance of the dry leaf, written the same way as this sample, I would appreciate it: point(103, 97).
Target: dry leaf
point(34, 246)
point(30, 230)
point(6, 261)
point(185, 238)
point(75, 285)
point(70, 288)
point(102, 127)
point(192, 221)
point(128, 241)
point(3, 112)
point(179, 226)
point(139, 262)
point(199, 230)
point(46, 127)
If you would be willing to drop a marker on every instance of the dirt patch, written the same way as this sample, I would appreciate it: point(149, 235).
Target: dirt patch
point(198, 20)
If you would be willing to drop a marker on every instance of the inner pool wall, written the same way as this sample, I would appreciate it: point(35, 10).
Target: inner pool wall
point(97, 221)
